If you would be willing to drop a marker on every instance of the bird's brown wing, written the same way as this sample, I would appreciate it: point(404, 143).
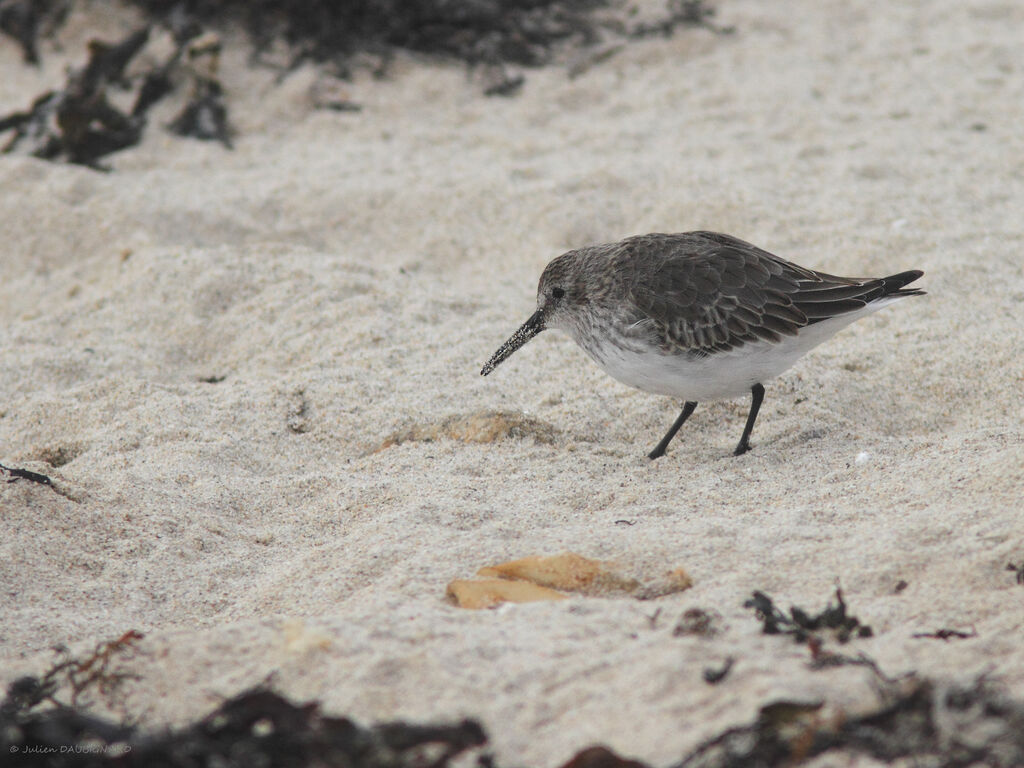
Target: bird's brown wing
point(705, 292)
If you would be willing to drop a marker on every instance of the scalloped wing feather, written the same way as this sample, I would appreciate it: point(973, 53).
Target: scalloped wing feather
point(706, 292)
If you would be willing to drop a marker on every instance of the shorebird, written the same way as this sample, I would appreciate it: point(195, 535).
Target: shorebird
point(697, 316)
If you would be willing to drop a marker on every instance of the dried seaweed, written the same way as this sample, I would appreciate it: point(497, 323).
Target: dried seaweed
point(521, 32)
point(104, 671)
point(946, 634)
point(257, 727)
point(26, 20)
point(714, 676)
point(25, 474)
point(43, 722)
point(205, 116)
point(601, 757)
point(953, 727)
point(802, 626)
point(825, 659)
point(689, 12)
point(697, 621)
point(1017, 568)
point(493, 34)
point(80, 123)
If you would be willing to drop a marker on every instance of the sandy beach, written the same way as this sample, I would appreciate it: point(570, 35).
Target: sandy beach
point(211, 351)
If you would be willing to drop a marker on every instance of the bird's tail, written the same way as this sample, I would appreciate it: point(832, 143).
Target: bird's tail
point(893, 284)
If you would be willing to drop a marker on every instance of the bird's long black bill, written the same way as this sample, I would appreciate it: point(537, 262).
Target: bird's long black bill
point(526, 331)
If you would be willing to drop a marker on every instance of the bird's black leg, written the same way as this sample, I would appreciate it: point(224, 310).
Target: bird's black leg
point(659, 449)
point(757, 395)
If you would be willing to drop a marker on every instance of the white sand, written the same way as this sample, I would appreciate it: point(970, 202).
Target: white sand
point(349, 273)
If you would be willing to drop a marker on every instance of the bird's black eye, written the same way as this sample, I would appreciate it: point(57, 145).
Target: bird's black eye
point(557, 293)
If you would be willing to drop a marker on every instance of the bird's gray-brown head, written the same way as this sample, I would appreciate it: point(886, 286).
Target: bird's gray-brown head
point(561, 293)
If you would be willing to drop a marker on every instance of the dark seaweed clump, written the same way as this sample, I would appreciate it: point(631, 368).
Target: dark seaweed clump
point(951, 728)
point(475, 31)
point(44, 721)
point(27, 20)
point(81, 123)
point(497, 32)
point(803, 625)
point(256, 728)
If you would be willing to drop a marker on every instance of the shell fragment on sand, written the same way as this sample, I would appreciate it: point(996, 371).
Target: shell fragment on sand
point(567, 571)
point(488, 593)
point(540, 577)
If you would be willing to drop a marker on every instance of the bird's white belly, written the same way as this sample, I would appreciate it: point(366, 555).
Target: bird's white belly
point(717, 376)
